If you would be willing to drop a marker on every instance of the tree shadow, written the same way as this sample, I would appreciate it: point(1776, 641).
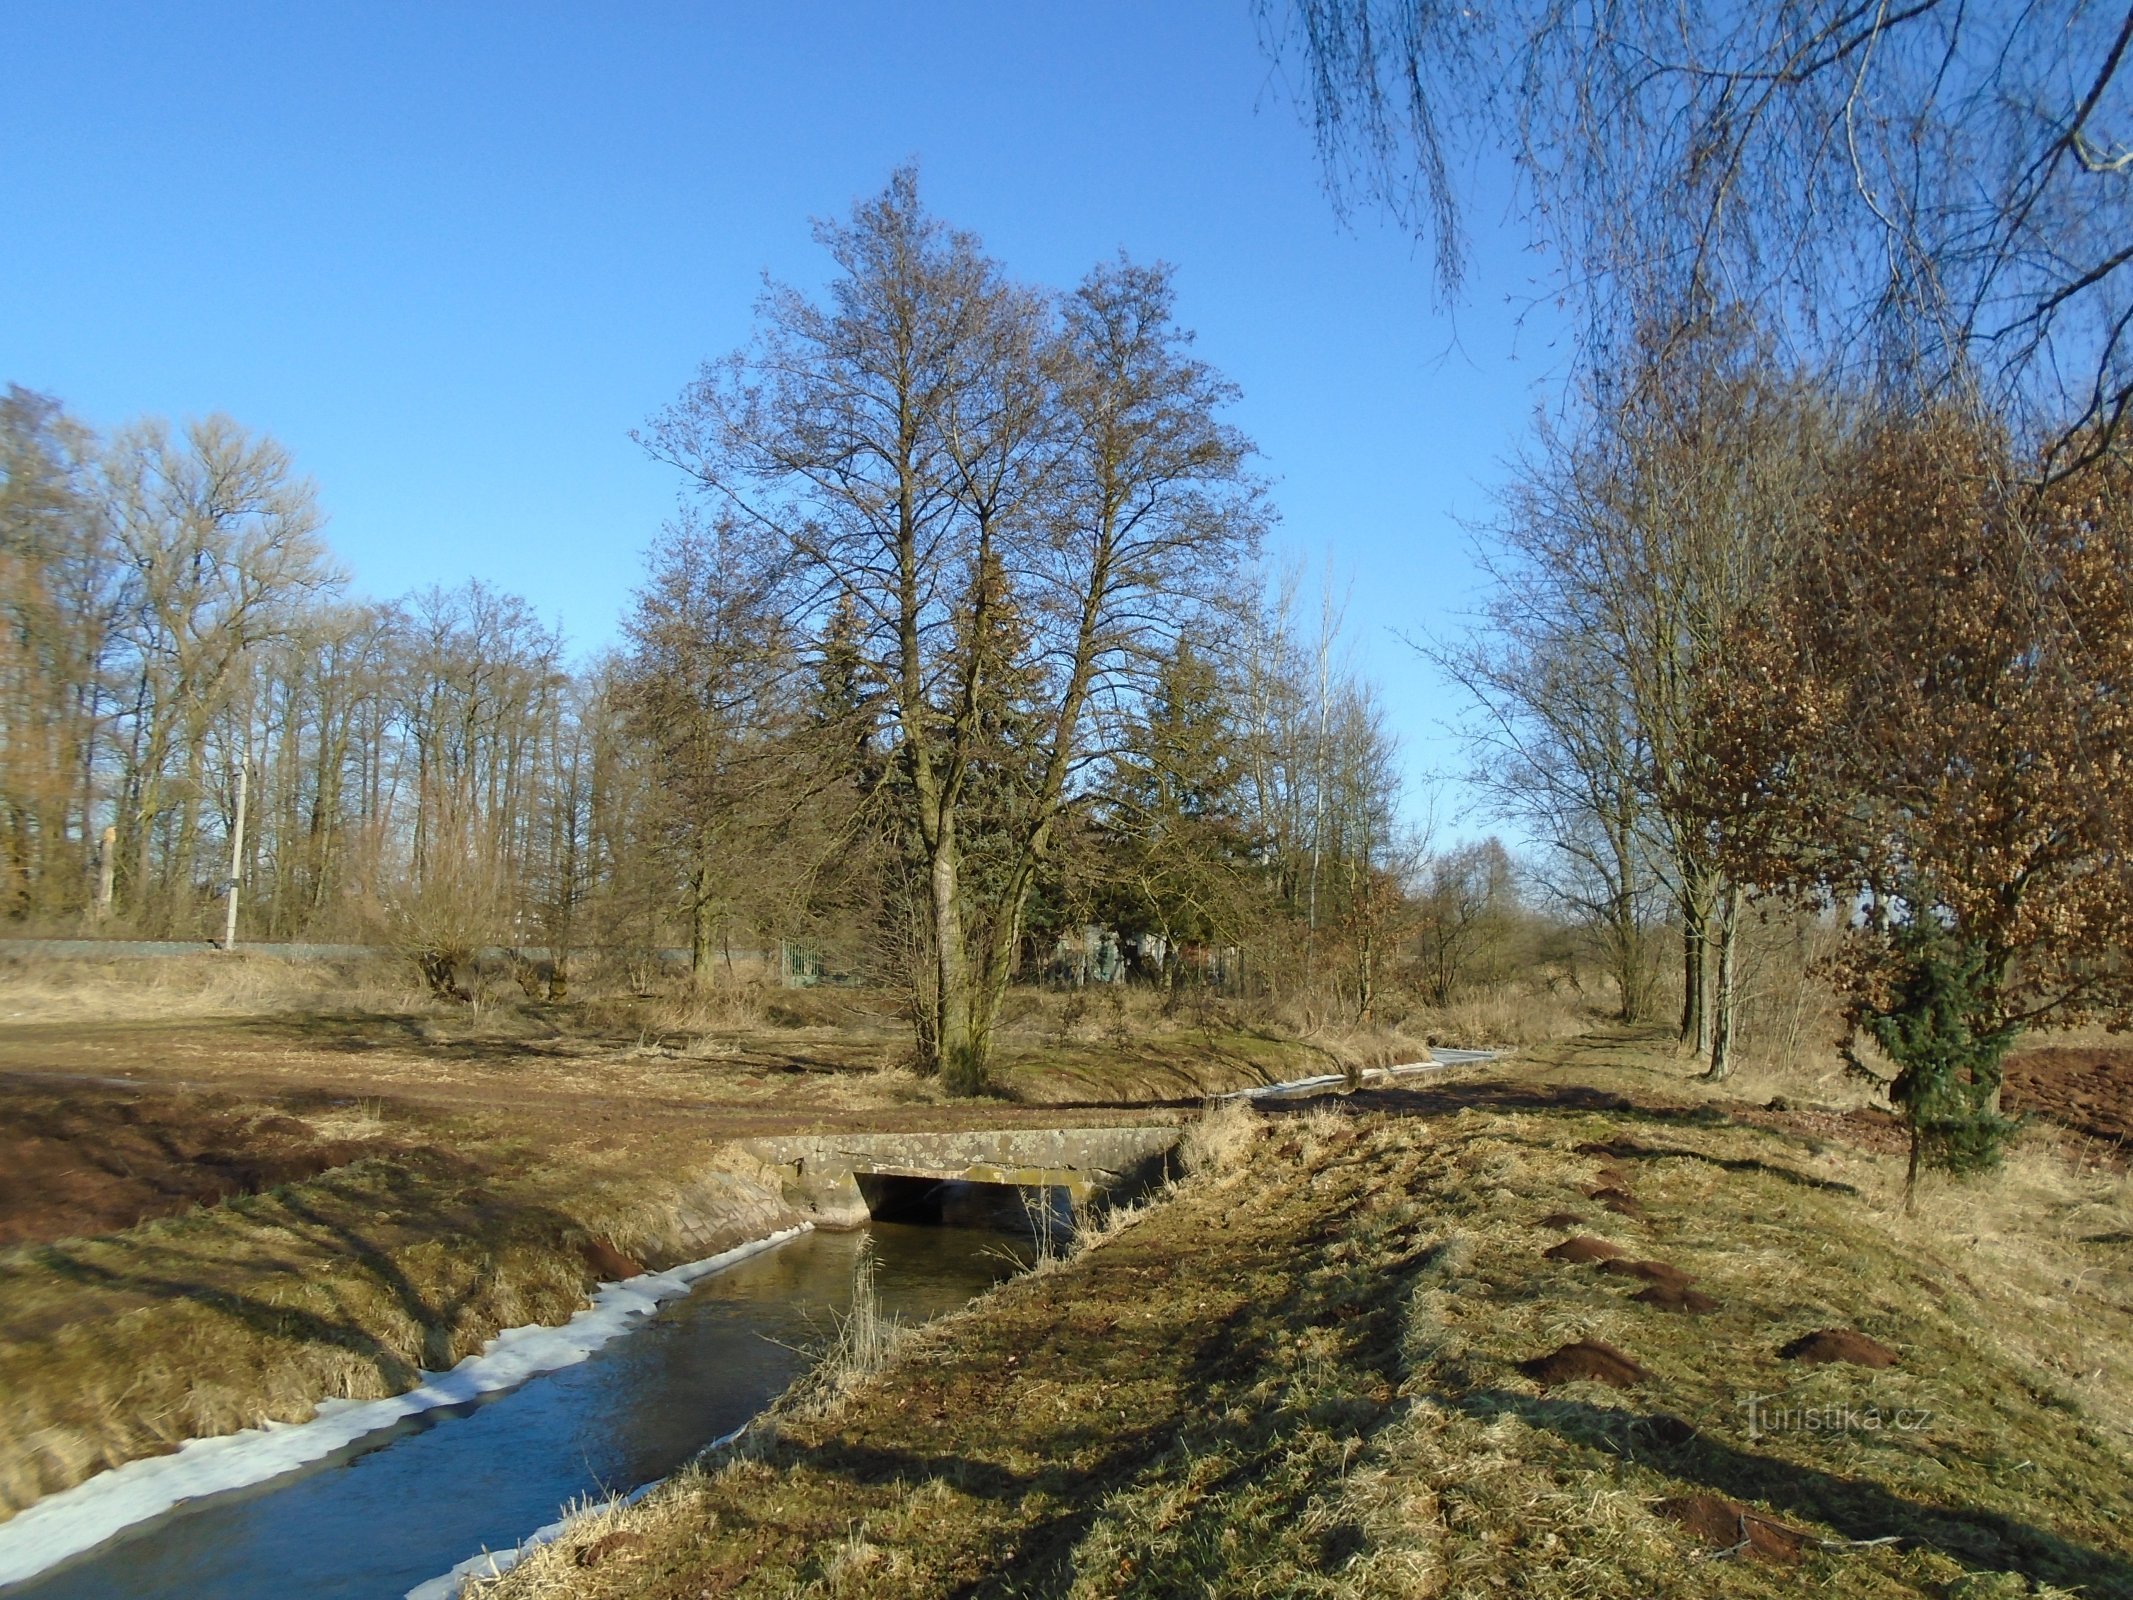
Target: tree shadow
point(324, 1218)
point(1985, 1541)
point(1629, 1149)
point(1084, 1461)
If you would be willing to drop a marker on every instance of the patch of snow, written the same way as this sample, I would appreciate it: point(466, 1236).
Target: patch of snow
point(66, 1524)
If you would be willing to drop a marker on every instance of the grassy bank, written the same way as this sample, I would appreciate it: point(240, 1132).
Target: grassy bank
point(229, 1189)
point(348, 1283)
point(1343, 1361)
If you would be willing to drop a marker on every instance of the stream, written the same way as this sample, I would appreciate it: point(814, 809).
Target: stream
point(401, 1506)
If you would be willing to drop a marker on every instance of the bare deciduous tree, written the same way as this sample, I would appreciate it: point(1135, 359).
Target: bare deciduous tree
point(1944, 188)
point(966, 459)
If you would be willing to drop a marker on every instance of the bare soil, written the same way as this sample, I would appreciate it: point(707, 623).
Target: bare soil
point(78, 1160)
point(1726, 1524)
point(1583, 1249)
point(1825, 1345)
point(1586, 1361)
point(2088, 1090)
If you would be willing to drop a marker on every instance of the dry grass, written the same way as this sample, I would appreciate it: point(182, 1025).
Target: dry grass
point(1219, 1139)
point(1301, 1376)
point(347, 1285)
point(1506, 1015)
point(54, 989)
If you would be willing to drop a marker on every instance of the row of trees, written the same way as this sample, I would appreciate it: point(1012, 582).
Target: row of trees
point(171, 616)
point(1634, 544)
point(1814, 603)
point(958, 646)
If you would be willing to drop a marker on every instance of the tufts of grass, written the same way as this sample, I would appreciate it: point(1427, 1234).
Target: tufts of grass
point(1304, 1374)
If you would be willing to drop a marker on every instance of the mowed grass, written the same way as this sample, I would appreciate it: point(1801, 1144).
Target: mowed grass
point(1302, 1374)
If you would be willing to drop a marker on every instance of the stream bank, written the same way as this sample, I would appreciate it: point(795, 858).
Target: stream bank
point(397, 1507)
point(1351, 1358)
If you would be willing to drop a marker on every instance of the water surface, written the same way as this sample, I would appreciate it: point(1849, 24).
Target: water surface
point(405, 1504)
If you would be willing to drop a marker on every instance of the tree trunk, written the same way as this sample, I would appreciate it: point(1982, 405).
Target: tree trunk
point(703, 926)
point(959, 1039)
point(1695, 940)
point(1725, 1001)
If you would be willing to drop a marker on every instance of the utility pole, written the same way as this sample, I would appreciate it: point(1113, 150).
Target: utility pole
point(229, 925)
point(106, 867)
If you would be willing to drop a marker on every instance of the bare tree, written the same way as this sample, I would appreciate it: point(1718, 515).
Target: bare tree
point(61, 607)
point(1556, 742)
point(1462, 918)
point(708, 687)
point(972, 462)
point(1943, 189)
point(219, 538)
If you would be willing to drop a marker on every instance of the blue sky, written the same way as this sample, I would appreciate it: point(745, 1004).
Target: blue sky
point(450, 254)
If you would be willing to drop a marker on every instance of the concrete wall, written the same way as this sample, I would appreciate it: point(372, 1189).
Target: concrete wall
point(820, 1172)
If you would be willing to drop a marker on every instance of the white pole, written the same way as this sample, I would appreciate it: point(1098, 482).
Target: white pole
point(106, 867)
point(229, 926)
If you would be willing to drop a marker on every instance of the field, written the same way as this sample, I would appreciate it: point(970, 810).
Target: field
point(1351, 1355)
point(231, 1188)
point(1376, 1346)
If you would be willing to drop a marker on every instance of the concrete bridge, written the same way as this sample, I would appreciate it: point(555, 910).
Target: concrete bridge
point(839, 1179)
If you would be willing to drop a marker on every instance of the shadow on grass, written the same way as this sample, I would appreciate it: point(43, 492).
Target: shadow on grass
point(351, 1218)
point(1985, 1541)
point(1630, 1150)
point(1516, 1095)
point(1084, 1463)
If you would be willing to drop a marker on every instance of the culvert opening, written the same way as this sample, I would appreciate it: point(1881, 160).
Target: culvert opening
point(1017, 1208)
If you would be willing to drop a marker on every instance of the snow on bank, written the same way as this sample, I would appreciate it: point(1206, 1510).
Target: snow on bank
point(79, 1519)
point(1297, 1087)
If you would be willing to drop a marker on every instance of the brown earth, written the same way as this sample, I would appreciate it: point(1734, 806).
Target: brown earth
point(606, 1549)
point(1587, 1360)
point(607, 1263)
point(1867, 1127)
point(2086, 1089)
point(1647, 1271)
point(1728, 1525)
point(1672, 1296)
point(1584, 1248)
point(1561, 1219)
point(78, 1160)
point(1620, 1201)
point(1839, 1344)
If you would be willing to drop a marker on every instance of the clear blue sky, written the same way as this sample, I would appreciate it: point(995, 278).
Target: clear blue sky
point(450, 254)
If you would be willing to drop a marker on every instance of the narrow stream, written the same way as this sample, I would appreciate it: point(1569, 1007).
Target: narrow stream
point(404, 1505)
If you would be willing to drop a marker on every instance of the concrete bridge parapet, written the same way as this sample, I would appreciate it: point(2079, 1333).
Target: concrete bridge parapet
point(820, 1173)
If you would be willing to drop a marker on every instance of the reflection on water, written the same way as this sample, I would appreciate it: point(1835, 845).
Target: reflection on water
point(403, 1505)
